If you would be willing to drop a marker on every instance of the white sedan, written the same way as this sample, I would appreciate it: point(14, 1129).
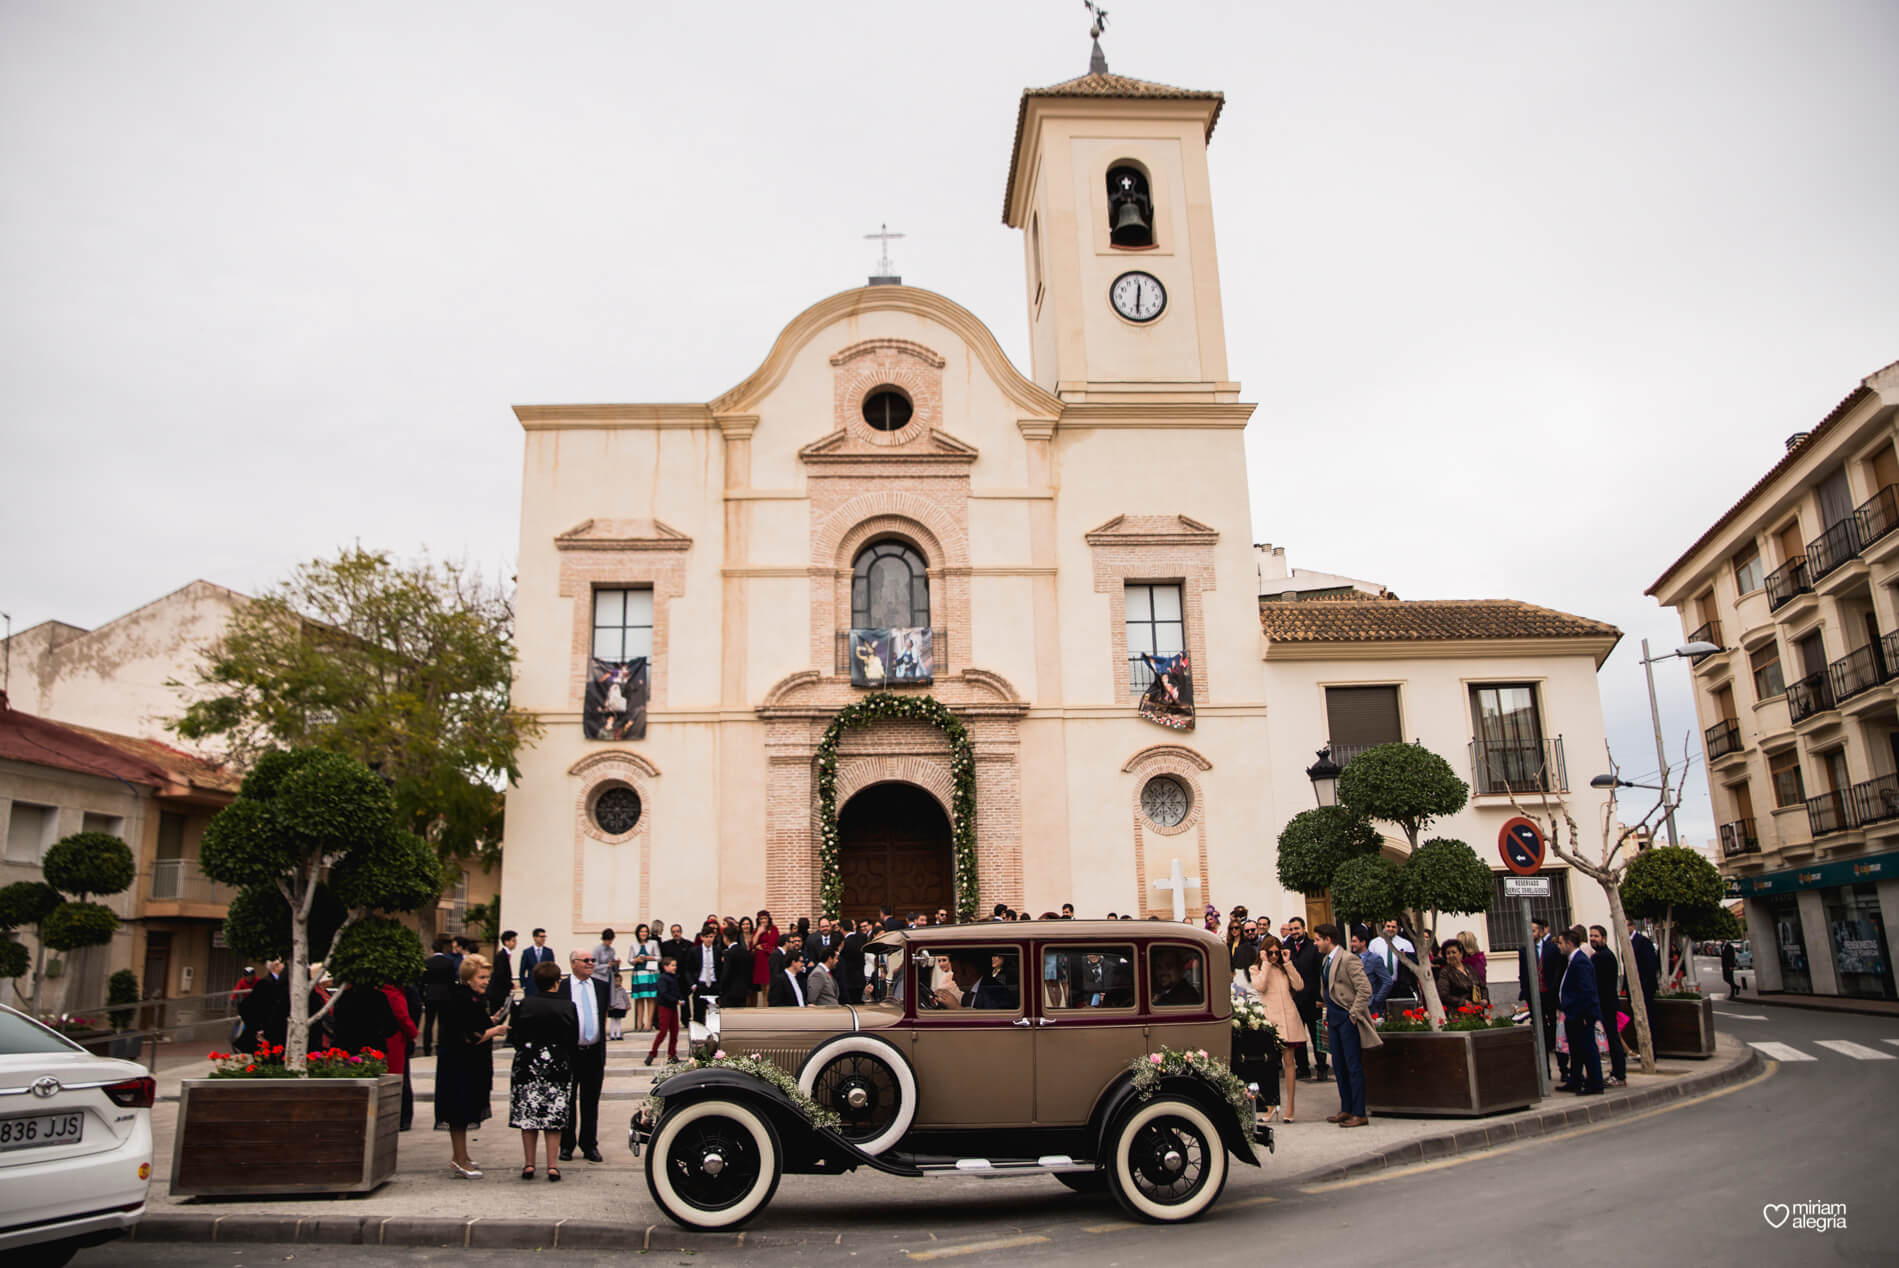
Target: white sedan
point(75, 1144)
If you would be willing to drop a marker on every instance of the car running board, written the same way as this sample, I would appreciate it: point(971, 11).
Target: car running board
point(990, 1169)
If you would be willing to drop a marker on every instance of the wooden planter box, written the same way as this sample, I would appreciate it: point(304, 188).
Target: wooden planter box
point(1684, 1027)
point(238, 1137)
point(1452, 1073)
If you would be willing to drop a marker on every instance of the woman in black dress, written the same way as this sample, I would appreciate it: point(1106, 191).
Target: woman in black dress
point(465, 1062)
point(545, 1033)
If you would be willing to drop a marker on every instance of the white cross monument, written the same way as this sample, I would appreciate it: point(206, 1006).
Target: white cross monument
point(1180, 885)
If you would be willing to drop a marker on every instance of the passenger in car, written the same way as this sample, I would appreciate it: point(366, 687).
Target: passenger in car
point(970, 987)
point(1172, 985)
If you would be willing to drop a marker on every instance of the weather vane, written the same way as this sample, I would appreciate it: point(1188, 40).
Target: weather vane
point(1097, 61)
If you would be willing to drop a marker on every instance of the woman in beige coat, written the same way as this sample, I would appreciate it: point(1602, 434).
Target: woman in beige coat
point(1274, 980)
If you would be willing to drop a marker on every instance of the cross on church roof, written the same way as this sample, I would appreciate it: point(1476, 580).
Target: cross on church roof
point(886, 274)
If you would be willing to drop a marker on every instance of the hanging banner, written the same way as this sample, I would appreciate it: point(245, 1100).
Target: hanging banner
point(902, 656)
point(1169, 698)
point(615, 707)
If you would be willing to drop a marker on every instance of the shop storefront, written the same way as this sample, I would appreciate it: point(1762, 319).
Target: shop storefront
point(1825, 925)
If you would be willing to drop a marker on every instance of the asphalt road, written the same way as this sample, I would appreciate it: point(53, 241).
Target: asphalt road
point(1685, 1185)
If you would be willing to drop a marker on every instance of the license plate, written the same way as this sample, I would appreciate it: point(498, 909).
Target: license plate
point(42, 1129)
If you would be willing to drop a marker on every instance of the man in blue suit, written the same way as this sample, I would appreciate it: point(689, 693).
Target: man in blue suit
point(1582, 1009)
point(1382, 982)
point(538, 954)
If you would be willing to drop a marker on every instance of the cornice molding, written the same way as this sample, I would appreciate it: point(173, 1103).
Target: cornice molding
point(902, 299)
point(1152, 530)
point(661, 417)
point(622, 535)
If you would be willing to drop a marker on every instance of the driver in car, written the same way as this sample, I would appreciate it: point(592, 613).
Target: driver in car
point(969, 986)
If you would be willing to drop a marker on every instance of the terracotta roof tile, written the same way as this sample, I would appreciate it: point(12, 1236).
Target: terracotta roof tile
point(1102, 86)
point(1421, 620)
point(25, 737)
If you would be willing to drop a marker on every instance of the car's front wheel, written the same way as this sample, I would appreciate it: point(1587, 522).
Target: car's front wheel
point(1167, 1162)
point(714, 1164)
point(867, 1085)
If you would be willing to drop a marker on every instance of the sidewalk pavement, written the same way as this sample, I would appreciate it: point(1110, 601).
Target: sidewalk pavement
point(606, 1206)
point(1816, 1003)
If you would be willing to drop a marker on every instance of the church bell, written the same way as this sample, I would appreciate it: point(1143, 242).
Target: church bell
point(1130, 213)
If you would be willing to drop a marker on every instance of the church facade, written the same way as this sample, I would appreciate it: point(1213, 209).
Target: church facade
point(888, 510)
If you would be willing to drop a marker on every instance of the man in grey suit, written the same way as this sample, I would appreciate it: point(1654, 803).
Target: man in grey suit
point(820, 987)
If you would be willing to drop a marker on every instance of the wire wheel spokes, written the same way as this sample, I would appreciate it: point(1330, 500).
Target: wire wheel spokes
point(713, 1163)
point(1168, 1159)
point(862, 1090)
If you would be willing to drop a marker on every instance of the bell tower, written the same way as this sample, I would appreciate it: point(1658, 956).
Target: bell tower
point(1108, 184)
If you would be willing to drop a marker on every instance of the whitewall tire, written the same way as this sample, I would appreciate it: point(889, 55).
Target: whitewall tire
point(713, 1164)
point(1167, 1162)
point(867, 1084)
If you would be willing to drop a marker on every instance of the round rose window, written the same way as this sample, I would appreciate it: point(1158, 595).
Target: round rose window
point(616, 811)
point(1164, 800)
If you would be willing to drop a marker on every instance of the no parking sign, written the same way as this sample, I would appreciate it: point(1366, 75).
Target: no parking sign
point(1520, 842)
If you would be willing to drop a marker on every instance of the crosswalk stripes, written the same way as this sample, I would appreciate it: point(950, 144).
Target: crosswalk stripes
point(1841, 1047)
point(1859, 1052)
point(1781, 1051)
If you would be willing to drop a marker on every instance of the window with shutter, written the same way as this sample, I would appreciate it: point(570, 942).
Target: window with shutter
point(1357, 718)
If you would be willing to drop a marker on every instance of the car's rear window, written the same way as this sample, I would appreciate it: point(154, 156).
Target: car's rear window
point(1176, 977)
point(18, 1035)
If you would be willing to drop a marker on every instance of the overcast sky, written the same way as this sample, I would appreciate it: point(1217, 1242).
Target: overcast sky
point(1527, 294)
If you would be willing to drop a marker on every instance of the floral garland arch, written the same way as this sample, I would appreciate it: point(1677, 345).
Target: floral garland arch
point(881, 706)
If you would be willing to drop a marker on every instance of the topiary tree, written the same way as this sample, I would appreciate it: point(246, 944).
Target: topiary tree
point(1366, 889)
point(121, 998)
point(299, 814)
point(375, 952)
point(1675, 885)
point(1411, 787)
point(82, 865)
point(23, 905)
point(1315, 843)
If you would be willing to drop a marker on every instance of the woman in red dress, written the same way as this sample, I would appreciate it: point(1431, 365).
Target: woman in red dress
point(764, 943)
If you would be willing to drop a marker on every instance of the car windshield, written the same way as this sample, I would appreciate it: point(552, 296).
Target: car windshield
point(885, 961)
point(19, 1034)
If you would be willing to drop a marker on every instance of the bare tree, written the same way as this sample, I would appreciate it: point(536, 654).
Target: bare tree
point(1607, 870)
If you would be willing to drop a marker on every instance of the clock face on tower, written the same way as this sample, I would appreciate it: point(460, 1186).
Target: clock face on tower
point(1138, 296)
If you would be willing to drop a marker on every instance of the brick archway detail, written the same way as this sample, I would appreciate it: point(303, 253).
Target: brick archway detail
point(854, 774)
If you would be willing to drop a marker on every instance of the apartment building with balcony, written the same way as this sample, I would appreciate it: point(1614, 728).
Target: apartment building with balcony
point(1798, 584)
point(1505, 691)
point(56, 780)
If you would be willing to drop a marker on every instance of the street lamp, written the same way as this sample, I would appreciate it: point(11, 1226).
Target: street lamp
point(1324, 775)
point(1655, 716)
point(1611, 781)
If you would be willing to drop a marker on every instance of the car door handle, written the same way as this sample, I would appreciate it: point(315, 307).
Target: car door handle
point(1045, 1021)
point(1020, 1021)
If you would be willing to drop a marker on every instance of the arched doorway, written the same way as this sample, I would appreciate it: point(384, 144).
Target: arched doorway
point(893, 847)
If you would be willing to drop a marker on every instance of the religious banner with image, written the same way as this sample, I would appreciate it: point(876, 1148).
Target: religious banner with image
point(615, 707)
point(902, 656)
point(1169, 698)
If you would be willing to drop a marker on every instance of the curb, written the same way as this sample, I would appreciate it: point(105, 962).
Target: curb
point(1542, 1123)
point(571, 1234)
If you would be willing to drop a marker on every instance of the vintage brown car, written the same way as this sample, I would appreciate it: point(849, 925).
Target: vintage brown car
point(999, 1049)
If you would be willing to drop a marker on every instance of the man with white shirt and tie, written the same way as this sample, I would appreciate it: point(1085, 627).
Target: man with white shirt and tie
point(590, 998)
point(1388, 947)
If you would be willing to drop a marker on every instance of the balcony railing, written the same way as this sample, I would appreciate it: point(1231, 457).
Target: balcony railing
point(1518, 766)
point(1708, 633)
point(1722, 738)
point(1876, 800)
point(939, 653)
point(1812, 694)
point(1830, 812)
point(181, 881)
point(1787, 582)
point(1857, 671)
point(1878, 516)
point(1836, 546)
point(1739, 838)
